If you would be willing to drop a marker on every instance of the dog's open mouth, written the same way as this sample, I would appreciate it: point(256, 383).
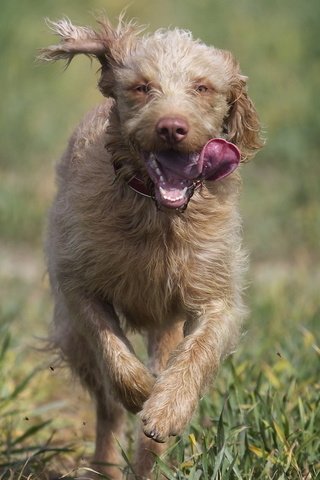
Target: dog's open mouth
point(174, 173)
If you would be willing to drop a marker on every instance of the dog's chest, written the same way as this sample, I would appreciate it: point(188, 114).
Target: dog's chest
point(153, 275)
point(146, 277)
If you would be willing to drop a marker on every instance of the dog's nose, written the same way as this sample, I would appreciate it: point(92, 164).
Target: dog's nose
point(172, 129)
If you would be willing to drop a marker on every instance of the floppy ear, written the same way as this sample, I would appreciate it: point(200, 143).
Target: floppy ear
point(73, 41)
point(242, 123)
point(110, 45)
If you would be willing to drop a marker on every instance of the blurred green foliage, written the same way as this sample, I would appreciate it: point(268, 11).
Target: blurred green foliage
point(277, 45)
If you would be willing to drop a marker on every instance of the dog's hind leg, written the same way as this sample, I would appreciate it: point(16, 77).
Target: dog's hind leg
point(109, 419)
point(107, 458)
point(78, 353)
point(160, 344)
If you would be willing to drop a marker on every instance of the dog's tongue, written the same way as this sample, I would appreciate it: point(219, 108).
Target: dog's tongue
point(174, 173)
point(218, 158)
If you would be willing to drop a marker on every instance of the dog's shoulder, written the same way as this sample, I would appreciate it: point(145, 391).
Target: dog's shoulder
point(93, 125)
point(87, 143)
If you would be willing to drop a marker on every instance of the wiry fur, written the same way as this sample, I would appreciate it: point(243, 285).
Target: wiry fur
point(116, 262)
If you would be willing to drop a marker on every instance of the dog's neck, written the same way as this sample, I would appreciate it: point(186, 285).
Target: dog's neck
point(137, 184)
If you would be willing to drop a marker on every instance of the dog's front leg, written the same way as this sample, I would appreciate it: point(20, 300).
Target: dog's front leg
point(119, 369)
point(177, 391)
point(161, 343)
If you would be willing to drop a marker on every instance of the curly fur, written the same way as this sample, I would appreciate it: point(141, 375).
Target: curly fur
point(117, 263)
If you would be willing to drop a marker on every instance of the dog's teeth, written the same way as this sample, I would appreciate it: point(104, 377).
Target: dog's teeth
point(173, 198)
point(158, 171)
point(153, 161)
point(161, 178)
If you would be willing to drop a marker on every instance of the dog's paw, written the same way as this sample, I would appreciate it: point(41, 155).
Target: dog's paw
point(134, 393)
point(166, 414)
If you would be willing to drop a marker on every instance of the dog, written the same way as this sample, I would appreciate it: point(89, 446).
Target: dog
point(145, 233)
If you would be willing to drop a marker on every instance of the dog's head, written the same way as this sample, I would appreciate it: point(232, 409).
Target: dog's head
point(172, 95)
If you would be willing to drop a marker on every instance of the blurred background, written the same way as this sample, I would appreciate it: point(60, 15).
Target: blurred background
point(277, 45)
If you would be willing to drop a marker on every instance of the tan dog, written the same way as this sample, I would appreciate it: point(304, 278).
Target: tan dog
point(144, 233)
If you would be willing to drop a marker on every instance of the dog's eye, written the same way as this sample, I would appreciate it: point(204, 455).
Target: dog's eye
point(143, 88)
point(201, 88)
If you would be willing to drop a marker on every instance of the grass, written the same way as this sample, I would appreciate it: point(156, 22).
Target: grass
point(260, 421)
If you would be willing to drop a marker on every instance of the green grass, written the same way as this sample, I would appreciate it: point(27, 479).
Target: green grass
point(261, 420)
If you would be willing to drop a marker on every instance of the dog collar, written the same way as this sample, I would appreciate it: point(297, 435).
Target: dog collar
point(138, 185)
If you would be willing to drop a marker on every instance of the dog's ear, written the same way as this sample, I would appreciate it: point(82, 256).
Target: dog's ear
point(242, 123)
point(109, 44)
point(73, 41)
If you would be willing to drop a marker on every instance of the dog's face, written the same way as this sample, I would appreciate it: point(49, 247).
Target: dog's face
point(169, 76)
point(172, 95)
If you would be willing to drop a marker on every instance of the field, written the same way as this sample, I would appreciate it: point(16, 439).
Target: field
point(261, 420)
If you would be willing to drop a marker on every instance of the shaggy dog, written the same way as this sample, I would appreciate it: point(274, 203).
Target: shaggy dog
point(144, 233)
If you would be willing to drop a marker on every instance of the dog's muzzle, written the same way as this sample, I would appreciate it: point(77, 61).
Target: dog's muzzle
point(175, 175)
